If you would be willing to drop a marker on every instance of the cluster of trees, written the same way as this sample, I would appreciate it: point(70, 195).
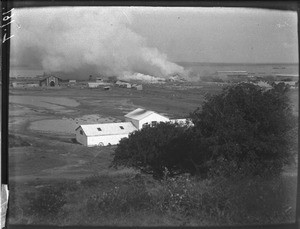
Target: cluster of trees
point(241, 130)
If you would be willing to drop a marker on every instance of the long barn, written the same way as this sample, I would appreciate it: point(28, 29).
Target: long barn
point(103, 134)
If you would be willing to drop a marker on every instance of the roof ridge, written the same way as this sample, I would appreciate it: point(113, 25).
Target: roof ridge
point(105, 123)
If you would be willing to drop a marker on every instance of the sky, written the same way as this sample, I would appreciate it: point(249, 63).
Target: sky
point(148, 41)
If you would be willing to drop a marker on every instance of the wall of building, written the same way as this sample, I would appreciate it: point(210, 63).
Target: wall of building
point(32, 85)
point(153, 117)
point(134, 122)
point(48, 80)
point(105, 139)
point(81, 138)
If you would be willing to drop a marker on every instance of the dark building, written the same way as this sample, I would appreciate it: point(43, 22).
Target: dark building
point(50, 81)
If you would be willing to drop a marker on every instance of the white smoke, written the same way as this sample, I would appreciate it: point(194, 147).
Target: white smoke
point(84, 41)
point(127, 76)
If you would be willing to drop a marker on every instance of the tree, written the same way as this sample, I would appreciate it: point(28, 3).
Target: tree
point(151, 150)
point(242, 130)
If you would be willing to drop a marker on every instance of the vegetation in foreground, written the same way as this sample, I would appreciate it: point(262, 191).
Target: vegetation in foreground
point(141, 200)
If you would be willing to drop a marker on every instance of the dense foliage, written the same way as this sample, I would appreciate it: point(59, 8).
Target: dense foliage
point(243, 130)
point(239, 131)
point(151, 149)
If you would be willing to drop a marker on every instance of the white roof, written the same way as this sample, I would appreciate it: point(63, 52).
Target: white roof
point(108, 128)
point(139, 114)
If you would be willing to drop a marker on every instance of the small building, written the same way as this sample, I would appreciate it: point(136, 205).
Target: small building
point(123, 84)
point(24, 85)
point(99, 80)
point(32, 85)
point(93, 85)
point(119, 83)
point(140, 117)
point(17, 84)
point(137, 87)
point(97, 84)
point(103, 134)
point(51, 81)
point(72, 81)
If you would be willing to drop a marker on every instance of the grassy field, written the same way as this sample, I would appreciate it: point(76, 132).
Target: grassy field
point(43, 158)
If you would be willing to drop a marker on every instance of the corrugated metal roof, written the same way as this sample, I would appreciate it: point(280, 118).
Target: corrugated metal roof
point(108, 128)
point(139, 114)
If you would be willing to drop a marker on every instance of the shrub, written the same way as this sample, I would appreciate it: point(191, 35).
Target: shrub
point(47, 202)
point(225, 201)
point(152, 149)
point(120, 200)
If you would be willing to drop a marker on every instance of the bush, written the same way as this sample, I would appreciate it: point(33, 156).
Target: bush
point(120, 199)
point(152, 149)
point(47, 202)
point(225, 201)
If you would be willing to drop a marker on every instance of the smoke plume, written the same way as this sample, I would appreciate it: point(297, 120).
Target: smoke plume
point(79, 42)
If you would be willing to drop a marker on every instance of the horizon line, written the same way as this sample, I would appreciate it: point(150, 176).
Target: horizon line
point(205, 62)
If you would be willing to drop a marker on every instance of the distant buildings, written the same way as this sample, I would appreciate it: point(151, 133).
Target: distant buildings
point(123, 84)
point(24, 84)
point(72, 81)
point(97, 84)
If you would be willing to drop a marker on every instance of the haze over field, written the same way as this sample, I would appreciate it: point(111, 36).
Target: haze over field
point(146, 42)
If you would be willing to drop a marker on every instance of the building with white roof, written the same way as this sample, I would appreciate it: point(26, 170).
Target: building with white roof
point(103, 134)
point(111, 133)
point(140, 117)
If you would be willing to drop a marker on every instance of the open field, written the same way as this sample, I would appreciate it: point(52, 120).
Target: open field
point(47, 120)
point(43, 151)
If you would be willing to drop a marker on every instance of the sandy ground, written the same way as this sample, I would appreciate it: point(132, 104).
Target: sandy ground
point(46, 102)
